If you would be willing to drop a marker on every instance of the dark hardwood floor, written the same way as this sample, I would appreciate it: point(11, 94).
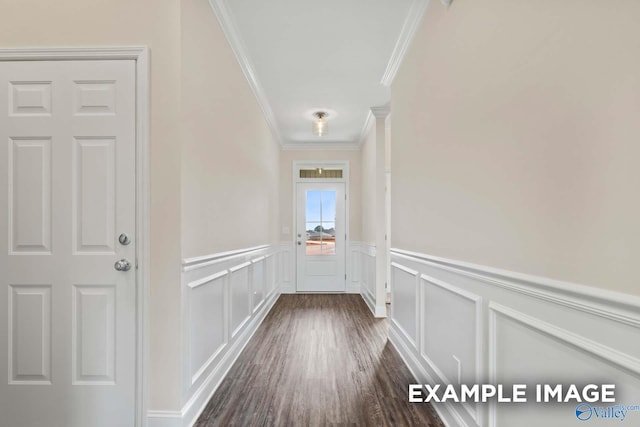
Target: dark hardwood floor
point(318, 360)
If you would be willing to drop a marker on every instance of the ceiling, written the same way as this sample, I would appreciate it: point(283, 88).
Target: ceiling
point(303, 56)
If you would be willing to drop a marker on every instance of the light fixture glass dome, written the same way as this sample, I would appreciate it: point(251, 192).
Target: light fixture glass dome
point(320, 125)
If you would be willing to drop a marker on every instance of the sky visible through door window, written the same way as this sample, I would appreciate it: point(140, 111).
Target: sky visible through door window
point(321, 222)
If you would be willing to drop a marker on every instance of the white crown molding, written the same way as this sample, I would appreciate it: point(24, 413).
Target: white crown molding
point(230, 29)
point(408, 31)
point(366, 128)
point(382, 111)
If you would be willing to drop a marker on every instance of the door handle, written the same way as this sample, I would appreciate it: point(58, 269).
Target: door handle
point(122, 265)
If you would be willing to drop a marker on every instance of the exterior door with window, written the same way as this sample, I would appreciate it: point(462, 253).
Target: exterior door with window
point(321, 237)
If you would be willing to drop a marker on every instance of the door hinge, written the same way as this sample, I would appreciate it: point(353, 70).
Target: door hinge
point(345, 196)
point(345, 276)
point(345, 236)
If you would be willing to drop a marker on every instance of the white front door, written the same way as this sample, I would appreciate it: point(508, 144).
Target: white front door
point(67, 192)
point(321, 237)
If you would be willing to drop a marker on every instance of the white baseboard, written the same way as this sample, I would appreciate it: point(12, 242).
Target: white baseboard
point(287, 288)
point(368, 299)
point(164, 419)
point(380, 311)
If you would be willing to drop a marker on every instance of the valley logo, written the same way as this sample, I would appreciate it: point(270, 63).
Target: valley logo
point(586, 412)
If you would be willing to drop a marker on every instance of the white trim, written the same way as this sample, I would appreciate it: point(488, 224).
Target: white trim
point(500, 296)
point(164, 419)
point(230, 29)
point(474, 412)
point(136, 53)
point(194, 263)
point(369, 122)
point(380, 311)
point(594, 348)
point(240, 267)
point(404, 268)
point(140, 54)
point(408, 32)
point(608, 304)
point(381, 112)
point(368, 299)
point(205, 280)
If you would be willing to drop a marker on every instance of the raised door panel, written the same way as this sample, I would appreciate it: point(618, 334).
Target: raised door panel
point(94, 198)
point(93, 341)
point(29, 334)
point(30, 184)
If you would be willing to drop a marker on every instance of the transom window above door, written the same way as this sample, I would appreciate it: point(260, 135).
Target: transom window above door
point(319, 173)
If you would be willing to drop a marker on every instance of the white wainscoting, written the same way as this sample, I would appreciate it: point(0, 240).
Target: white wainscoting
point(455, 322)
point(288, 267)
point(363, 274)
point(225, 297)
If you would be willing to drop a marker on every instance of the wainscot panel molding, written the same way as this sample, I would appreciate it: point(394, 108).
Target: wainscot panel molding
point(225, 297)
point(363, 260)
point(353, 268)
point(287, 267)
point(459, 323)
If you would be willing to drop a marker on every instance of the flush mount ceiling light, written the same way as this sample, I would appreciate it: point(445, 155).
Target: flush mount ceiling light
point(320, 125)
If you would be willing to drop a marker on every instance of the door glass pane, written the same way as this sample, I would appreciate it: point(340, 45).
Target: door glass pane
point(313, 206)
point(320, 222)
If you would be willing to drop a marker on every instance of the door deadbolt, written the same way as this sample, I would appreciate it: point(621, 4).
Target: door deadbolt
point(124, 239)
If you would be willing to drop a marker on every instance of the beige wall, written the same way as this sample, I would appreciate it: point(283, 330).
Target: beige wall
point(154, 23)
point(230, 159)
point(286, 187)
point(516, 137)
point(368, 183)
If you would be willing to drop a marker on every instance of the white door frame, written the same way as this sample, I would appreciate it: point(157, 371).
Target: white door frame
point(328, 164)
point(140, 54)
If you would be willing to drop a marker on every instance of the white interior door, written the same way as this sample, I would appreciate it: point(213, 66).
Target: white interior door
point(67, 191)
point(321, 237)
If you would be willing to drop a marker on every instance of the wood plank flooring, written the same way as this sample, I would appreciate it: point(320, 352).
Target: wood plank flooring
point(318, 360)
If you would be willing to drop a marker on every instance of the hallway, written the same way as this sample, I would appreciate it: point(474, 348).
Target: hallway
point(318, 360)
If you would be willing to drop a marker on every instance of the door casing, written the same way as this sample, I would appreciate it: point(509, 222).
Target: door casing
point(328, 164)
point(140, 54)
